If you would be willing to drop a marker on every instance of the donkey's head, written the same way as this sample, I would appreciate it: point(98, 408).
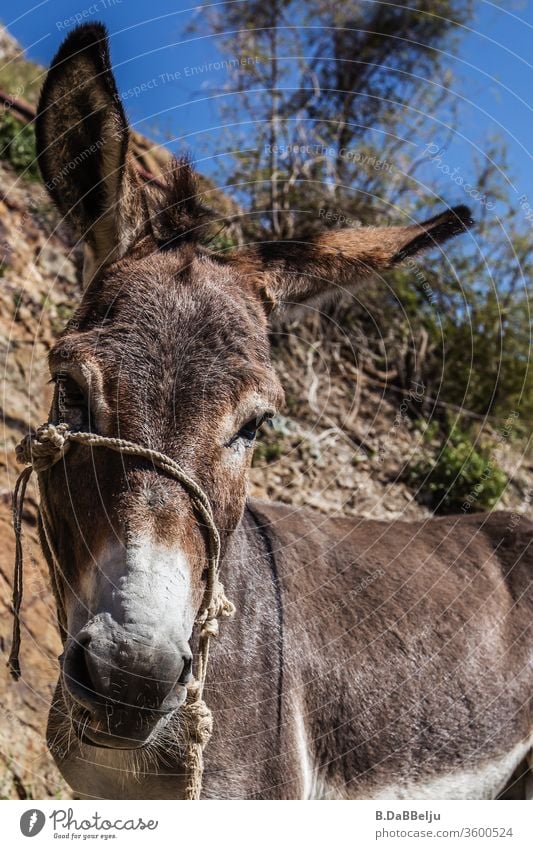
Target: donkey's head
point(168, 348)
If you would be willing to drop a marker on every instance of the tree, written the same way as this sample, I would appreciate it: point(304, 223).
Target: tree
point(331, 93)
point(341, 115)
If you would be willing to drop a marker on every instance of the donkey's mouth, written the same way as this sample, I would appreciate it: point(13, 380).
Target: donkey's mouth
point(122, 728)
point(101, 740)
point(126, 735)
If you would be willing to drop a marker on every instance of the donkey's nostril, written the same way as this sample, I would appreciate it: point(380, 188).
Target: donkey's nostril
point(186, 675)
point(76, 671)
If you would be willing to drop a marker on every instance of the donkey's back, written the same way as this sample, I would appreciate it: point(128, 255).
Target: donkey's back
point(412, 649)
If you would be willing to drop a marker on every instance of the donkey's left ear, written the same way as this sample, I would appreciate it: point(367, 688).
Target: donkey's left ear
point(83, 148)
point(298, 272)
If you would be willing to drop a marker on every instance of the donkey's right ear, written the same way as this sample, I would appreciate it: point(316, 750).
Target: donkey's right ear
point(83, 149)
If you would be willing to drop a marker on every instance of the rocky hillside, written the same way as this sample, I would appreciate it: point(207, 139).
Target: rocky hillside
point(37, 287)
point(342, 443)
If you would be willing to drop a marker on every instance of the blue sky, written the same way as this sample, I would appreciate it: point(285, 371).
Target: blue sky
point(148, 42)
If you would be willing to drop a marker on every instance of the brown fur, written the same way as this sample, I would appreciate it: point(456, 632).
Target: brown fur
point(364, 655)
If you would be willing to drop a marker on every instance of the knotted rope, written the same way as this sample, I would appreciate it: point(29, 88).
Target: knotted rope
point(40, 451)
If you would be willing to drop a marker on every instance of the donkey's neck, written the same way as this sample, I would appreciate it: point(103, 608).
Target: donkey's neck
point(247, 665)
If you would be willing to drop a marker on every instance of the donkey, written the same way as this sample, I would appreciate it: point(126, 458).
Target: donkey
point(366, 659)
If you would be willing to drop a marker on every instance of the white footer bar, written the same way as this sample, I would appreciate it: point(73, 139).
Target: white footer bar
point(277, 825)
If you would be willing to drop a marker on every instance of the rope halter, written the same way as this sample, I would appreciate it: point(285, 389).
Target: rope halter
point(40, 451)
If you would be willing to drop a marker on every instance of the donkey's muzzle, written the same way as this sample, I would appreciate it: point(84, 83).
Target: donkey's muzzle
point(124, 683)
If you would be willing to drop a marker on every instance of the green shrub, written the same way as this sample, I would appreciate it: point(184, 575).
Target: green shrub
point(17, 145)
point(22, 79)
point(458, 476)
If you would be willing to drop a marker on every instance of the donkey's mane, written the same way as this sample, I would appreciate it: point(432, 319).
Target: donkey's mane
point(177, 214)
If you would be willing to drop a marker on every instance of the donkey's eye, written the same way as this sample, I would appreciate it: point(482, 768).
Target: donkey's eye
point(71, 401)
point(69, 393)
point(249, 430)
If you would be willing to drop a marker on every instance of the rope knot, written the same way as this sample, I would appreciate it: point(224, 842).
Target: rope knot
point(198, 717)
point(198, 721)
point(44, 447)
point(220, 607)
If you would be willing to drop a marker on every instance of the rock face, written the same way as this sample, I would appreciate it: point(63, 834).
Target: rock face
point(37, 287)
point(339, 446)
